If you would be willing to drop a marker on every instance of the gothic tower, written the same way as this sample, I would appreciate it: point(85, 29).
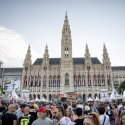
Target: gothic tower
point(66, 69)
point(107, 67)
point(26, 68)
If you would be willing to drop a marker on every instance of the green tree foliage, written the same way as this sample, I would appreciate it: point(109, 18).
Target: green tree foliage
point(121, 88)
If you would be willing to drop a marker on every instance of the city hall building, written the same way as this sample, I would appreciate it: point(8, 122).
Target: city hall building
point(51, 77)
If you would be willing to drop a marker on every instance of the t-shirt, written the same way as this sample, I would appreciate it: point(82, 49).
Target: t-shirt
point(66, 121)
point(8, 118)
point(78, 121)
point(42, 122)
point(26, 120)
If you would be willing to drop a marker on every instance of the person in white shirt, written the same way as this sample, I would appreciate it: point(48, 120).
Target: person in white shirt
point(104, 119)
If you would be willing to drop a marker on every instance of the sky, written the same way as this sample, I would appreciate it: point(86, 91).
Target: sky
point(40, 22)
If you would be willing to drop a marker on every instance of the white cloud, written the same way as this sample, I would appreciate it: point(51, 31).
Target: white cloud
point(13, 48)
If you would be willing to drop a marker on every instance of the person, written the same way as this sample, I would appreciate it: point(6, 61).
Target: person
point(104, 119)
point(123, 119)
point(9, 118)
point(115, 112)
point(26, 119)
point(92, 119)
point(79, 120)
point(20, 111)
point(42, 120)
point(61, 119)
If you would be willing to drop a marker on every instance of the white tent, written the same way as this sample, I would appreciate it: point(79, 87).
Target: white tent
point(96, 99)
point(37, 99)
point(43, 99)
point(89, 99)
point(113, 95)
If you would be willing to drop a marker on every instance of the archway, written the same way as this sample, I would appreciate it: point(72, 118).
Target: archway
point(50, 96)
point(34, 96)
point(84, 97)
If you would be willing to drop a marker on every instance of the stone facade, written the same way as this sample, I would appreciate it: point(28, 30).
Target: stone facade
point(56, 76)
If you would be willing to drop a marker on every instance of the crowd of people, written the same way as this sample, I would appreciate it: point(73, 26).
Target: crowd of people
point(63, 113)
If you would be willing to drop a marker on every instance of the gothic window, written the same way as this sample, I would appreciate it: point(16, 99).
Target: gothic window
point(103, 80)
point(58, 81)
point(25, 79)
point(98, 80)
point(34, 96)
point(39, 77)
point(66, 52)
point(36, 80)
point(79, 80)
point(54, 81)
point(44, 80)
point(66, 79)
point(94, 80)
point(31, 81)
point(38, 96)
point(50, 81)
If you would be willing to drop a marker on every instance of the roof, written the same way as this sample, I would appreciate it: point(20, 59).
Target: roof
point(13, 69)
point(118, 67)
point(56, 61)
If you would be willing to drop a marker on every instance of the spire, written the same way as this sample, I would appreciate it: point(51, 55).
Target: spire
point(66, 42)
point(28, 61)
point(66, 26)
point(46, 51)
point(87, 56)
point(106, 59)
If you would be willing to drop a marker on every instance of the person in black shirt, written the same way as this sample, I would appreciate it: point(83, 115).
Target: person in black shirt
point(79, 120)
point(9, 118)
point(26, 119)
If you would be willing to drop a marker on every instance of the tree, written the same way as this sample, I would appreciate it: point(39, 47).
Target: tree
point(121, 88)
point(1, 89)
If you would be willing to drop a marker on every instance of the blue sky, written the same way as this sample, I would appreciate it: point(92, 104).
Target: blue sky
point(40, 22)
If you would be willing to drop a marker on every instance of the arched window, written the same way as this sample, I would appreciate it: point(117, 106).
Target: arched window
point(66, 79)
point(50, 81)
point(31, 80)
point(39, 81)
point(58, 81)
point(34, 96)
point(36, 80)
point(84, 97)
point(38, 96)
point(44, 80)
point(54, 81)
point(94, 80)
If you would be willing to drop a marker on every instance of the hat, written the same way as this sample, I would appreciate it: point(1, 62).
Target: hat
point(42, 109)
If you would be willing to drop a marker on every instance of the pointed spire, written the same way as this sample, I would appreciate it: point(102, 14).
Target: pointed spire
point(66, 15)
point(46, 54)
point(106, 59)
point(27, 61)
point(87, 56)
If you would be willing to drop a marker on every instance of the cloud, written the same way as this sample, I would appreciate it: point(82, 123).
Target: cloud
point(13, 48)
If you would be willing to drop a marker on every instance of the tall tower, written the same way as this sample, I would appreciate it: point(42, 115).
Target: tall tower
point(66, 70)
point(88, 66)
point(106, 59)
point(66, 42)
point(107, 69)
point(26, 68)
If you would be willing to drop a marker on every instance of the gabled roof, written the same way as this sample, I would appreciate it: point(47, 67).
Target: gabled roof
point(118, 67)
point(56, 61)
